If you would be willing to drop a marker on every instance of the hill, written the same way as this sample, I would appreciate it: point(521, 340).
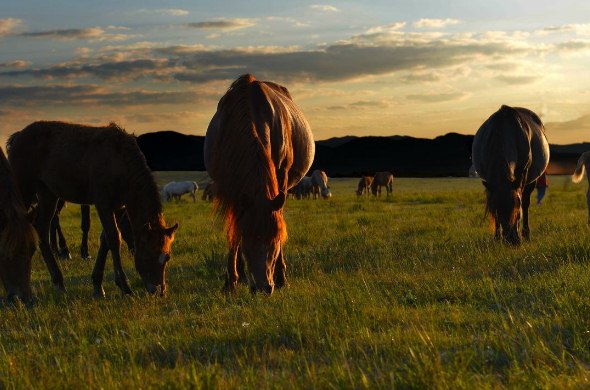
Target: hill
point(446, 155)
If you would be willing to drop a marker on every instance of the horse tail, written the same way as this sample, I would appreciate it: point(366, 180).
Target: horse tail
point(17, 237)
point(581, 168)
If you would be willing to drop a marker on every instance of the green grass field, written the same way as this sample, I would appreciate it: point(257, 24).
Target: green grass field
point(408, 292)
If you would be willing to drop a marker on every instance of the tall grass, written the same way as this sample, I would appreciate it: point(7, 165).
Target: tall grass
point(409, 291)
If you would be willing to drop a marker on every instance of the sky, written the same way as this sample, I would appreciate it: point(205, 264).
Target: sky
point(421, 68)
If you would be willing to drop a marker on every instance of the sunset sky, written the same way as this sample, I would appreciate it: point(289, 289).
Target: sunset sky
point(419, 68)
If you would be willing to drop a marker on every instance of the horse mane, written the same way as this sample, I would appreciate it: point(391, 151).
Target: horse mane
point(246, 174)
point(17, 235)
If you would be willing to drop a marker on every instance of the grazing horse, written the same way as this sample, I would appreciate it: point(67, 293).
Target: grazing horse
point(209, 191)
point(364, 185)
point(382, 179)
point(17, 237)
point(175, 189)
point(101, 166)
point(303, 188)
point(510, 151)
point(258, 145)
point(319, 184)
point(583, 165)
point(58, 240)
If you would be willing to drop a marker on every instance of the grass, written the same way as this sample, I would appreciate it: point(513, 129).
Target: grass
point(408, 292)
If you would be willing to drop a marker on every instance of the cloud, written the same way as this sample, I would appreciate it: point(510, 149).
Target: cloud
point(361, 105)
point(387, 28)
point(518, 79)
point(581, 125)
point(438, 97)
point(57, 95)
point(92, 33)
point(166, 11)
point(8, 25)
point(223, 24)
point(578, 29)
point(17, 64)
point(324, 8)
point(435, 23)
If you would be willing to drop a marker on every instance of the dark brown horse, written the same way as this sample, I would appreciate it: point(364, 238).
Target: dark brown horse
point(94, 165)
point(583, 166)
point(510, 151)
point(17, 237)
point(258, 145)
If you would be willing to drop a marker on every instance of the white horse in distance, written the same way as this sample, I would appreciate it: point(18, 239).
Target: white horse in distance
point(175, 189)
point(319, 182)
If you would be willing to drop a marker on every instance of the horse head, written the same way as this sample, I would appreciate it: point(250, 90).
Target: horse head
point(152, 253)
point(262, 248)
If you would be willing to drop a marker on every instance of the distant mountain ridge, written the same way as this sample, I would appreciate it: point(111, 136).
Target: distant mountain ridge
point(445, 155)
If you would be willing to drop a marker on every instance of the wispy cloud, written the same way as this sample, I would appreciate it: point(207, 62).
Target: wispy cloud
point(92, 33)
point(438, 97)
point(8, 25)
point(223, 24)
point(324, 8)
point(578, 29)
point(435, 23)
point(518, 79)
point(17, 64)
point(581, 125)
point(166, 11)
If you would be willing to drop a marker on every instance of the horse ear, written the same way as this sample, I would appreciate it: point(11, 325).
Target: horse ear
point(170, 231)
point(279, 201)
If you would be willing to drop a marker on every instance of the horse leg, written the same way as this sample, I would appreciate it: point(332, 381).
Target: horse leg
point(113, 238)
point(232, 277)
point(47, 204)
point(125, 228)
point(85, 226)
point(64, 251)
point(526, 202)
point(588, 203)
point(280, 275)
point(241, 267)
point(98, 271)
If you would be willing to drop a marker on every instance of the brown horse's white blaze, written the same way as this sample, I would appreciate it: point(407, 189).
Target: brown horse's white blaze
point(510, 151)
point(258, 145)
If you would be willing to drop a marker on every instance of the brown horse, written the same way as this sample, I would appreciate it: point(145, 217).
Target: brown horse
point(510, 151)
point(583, 165)
point(101, 166)
point(382, 179)
point(258, 145)
point(17, 237)
point(364, 185)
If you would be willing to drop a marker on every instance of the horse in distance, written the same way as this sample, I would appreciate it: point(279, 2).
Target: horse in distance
point(17, 237)
point(302, 190)
point(382, 179)
point(364, 185)
point(319, 184)
point(209, 191)
point(510, 151)
point(176, 189)
point(101, 166)
point(258, 145)
point(583, 166)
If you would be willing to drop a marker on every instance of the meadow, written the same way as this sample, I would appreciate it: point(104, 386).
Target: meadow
point(406, 292)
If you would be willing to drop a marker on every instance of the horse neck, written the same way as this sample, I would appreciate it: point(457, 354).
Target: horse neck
point(143, 205)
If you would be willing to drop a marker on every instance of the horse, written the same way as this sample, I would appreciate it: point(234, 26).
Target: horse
point(101, 166)
point(510, 151)
point(319, 184)
point(175, 189)
point(257, 146)
point(17, 237)
point(364, 185)
point(303, 188)
point(583, 165)
point(209, 191)
point(58, 241)
point(382, 179)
